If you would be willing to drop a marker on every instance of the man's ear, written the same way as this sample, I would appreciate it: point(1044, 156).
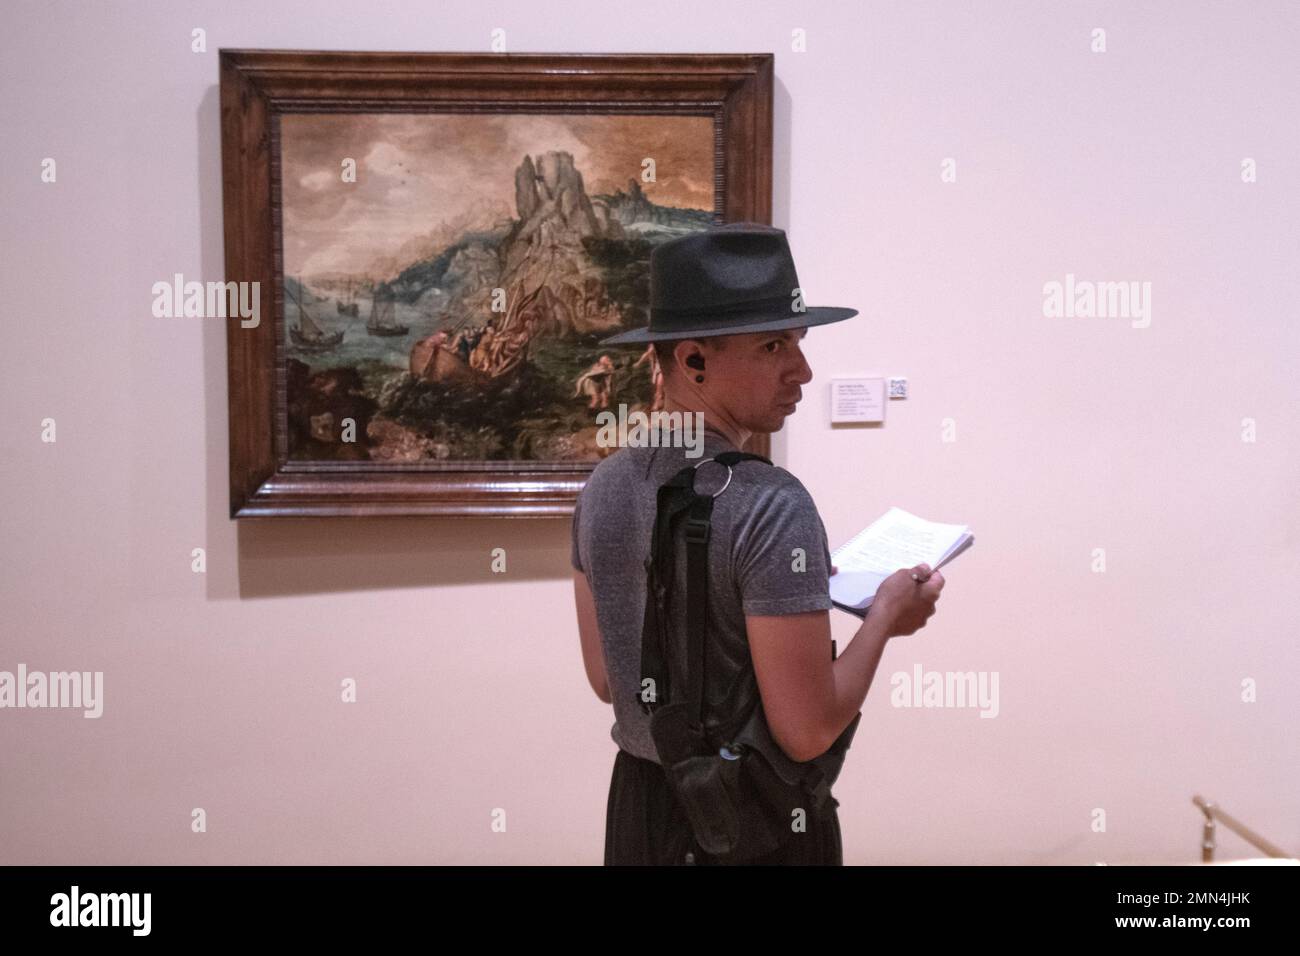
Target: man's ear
point(682, 350)
point(699, 348)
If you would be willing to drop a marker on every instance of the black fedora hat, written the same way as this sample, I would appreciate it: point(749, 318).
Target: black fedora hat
point(726, 280)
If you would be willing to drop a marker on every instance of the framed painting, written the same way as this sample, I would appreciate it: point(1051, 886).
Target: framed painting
point(439, 241)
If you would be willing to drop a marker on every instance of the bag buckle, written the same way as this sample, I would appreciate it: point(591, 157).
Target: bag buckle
point(697, 531)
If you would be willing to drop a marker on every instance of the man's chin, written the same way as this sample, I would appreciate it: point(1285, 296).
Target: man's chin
point(773, 423)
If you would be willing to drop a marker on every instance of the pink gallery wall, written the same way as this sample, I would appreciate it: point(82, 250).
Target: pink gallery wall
point(1132, 481)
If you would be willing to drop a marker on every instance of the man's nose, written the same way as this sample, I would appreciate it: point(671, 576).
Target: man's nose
point(803, 371)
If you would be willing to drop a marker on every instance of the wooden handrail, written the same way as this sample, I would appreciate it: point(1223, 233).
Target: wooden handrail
point(1213, 813)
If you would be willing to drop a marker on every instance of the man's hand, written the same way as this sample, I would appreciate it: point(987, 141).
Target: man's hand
point(906, 604)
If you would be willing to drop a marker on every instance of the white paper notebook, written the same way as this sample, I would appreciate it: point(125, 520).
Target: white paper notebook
point(898, 539)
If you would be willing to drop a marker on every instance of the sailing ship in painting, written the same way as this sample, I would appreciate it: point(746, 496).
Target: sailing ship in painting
point(506, 313)
point(307, 334)
point(350, 307)
point(381, 321)
point(479, 357)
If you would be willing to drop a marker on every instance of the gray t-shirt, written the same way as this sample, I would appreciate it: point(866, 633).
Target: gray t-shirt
point(764, 515)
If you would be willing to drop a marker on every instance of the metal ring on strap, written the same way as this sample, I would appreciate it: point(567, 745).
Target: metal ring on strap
point(724, 484)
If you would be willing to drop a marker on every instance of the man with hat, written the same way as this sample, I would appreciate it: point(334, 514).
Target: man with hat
point(726, 319)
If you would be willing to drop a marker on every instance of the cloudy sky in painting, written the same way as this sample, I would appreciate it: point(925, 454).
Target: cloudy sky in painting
point(421, 177)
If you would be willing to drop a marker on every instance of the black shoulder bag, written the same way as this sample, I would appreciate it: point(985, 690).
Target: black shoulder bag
point(741, 792)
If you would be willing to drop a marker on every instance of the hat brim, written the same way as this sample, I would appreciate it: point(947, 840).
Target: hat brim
point(812, 315)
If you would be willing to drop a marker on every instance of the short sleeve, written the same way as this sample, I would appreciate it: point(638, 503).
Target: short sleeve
point(783, 560)
point(574, 558)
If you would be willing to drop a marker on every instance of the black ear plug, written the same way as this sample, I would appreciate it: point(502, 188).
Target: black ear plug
point(695, 361)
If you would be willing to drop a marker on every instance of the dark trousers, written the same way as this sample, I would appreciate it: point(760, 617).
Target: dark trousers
point(645, 825)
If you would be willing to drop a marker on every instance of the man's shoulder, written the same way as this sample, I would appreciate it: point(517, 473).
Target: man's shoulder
point(774, 482)
point(613, 471)
point(770, 483)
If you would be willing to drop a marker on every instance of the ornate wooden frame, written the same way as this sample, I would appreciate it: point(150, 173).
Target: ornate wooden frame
point(257, 86)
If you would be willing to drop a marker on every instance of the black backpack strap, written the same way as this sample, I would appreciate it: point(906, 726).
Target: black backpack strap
point(673, 497)
point(698, 530)
point(677, 498)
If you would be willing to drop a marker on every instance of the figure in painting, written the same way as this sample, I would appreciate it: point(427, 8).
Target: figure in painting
point(595, 383)
point(656, 375)
point(510, 345)
point(481, 357)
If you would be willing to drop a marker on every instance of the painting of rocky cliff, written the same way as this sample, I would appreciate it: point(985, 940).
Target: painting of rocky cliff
point(447, 277)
